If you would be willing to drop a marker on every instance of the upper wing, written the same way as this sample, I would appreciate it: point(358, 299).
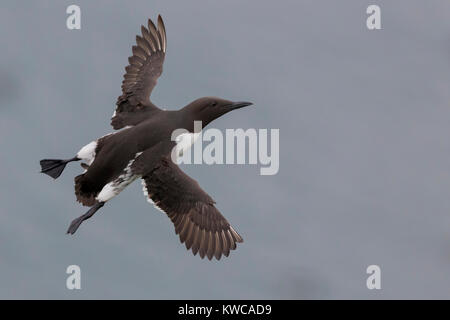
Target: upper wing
point(200, 225)
point(146, 63)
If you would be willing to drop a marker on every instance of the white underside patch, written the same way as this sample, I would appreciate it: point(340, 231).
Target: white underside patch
point(87, 153)
point(147, 196)
point(113, 188)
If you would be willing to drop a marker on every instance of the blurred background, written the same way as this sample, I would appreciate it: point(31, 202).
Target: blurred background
point(364, 149)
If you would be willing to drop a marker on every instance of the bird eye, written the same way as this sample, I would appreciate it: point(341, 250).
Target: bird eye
point(214, 103)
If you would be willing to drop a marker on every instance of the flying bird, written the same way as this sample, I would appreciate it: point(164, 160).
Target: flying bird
point(141, 149)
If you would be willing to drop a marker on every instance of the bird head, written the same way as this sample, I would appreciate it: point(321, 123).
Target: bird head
point(207, 109)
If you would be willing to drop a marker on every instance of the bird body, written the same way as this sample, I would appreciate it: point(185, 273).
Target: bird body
point(142, 148)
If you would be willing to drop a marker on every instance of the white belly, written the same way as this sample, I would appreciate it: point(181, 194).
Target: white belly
point(87, 153)
point(116, 186)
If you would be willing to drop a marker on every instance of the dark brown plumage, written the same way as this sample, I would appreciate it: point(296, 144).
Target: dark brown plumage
point(146, 65)
point(197, 221)
point(142, 149)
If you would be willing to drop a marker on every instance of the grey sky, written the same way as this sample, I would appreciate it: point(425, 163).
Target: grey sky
point(364, 153)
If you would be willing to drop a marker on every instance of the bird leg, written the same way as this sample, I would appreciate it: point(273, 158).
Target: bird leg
point(77, 222)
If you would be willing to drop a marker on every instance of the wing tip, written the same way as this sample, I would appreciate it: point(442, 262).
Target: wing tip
point(207, 244)
point(162, 33)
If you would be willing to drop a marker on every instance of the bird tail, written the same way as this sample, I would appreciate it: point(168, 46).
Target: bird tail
point(86, 191)
point(54, 167)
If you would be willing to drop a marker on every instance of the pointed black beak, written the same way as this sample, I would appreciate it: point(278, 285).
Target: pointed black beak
point(240, 104)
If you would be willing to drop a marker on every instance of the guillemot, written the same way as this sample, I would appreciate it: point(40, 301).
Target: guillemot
point(142, 149)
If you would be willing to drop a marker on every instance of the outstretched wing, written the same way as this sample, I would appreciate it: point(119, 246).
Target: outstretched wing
point(197, 221)
point(146, 65)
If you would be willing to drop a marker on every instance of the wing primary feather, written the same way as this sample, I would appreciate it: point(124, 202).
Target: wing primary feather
point(177, 219)
point(230, 240)
point(185, 230)
point(139, 52)
point(147, 36)
point(236, 235)
point(132, 69)
point(134, 60)
point(180, 224)
point(218, 252)
point(211, 245)
point(190, 236)
point(202, 244)
point(143, 44)
point(225, 248)
point(196, 243)
point(206, 243)
point(154, 33)
point(162, 31)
